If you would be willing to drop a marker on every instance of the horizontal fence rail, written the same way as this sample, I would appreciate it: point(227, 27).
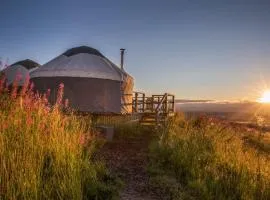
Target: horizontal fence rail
point(164, 103)
point(154, 110)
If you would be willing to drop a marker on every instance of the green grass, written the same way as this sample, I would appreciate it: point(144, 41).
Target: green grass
point(204, 159)
point(45, 154)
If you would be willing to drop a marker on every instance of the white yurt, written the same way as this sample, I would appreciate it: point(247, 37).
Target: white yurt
point(92, 83)
point(19, 70)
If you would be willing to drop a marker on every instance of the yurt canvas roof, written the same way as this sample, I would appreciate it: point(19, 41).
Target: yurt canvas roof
point(21, 68)
point(81, 61)
point(28, 64)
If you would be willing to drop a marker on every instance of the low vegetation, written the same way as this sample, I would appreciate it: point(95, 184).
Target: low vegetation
point(206, 159)
point(45, 154)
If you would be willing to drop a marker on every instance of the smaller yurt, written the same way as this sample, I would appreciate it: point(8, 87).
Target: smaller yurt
point(92, 83)
point(20, 70)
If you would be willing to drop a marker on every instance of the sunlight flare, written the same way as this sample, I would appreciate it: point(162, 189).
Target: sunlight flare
point(265, 97)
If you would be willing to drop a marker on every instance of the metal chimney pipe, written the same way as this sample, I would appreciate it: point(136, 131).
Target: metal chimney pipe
point(122, 51)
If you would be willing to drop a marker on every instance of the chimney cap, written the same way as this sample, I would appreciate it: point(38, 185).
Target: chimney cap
point(122, 49)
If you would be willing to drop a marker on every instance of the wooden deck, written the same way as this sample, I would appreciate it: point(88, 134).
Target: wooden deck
point(154, 110)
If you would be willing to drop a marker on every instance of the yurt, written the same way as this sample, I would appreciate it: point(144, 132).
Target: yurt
point(20, 71)
point(92, 83)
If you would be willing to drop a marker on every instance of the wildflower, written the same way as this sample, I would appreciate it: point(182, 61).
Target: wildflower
point(29, 120)
point(45, 99)
point(2, 82)
point(4, 126)
point(61, 86)
point(82, 139)
point(21, 102)
point(6, 87)
point(27, 102)
point(60, 94)
point(46, 109)
point(85, 139)
point(66, 103)
point(31, 86)
point(48, 93)
point(25, 85)
point(14, 90)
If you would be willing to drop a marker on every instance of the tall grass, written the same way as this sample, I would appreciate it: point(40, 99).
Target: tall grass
point(45, 154)
point(209, 160)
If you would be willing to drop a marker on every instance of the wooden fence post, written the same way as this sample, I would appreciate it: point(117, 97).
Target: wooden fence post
point(173, 103)
point(136, 102)
point(143, 106)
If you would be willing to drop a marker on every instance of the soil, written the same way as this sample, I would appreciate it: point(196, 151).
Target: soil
point(127, 158)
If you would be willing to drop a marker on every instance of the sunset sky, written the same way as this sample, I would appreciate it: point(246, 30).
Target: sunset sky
point(194, 49)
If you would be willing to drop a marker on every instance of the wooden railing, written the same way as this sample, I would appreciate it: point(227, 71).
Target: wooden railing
point(156, 103)
point(139, 102)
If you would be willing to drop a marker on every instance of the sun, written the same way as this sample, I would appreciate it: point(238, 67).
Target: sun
point(265, 97)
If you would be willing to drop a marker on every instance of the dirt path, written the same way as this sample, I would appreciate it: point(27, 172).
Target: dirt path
point(128, 159)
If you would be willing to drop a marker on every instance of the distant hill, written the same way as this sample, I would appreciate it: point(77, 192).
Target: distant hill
point(236, 110)
point(213, 106)
point(190, 101)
